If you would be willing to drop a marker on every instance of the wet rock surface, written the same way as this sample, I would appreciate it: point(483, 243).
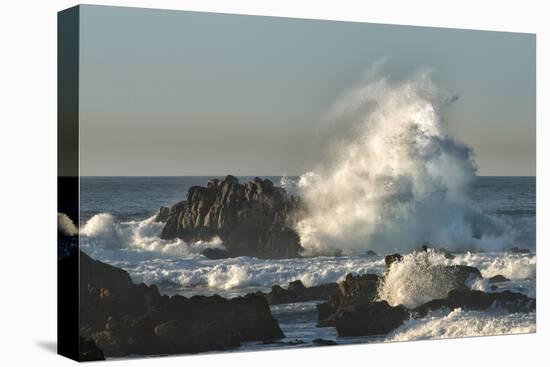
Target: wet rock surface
point(123, 318)
point(251, 219)
point(88, 350)
point(297, 292)
point(356, 310)
point(475, 300)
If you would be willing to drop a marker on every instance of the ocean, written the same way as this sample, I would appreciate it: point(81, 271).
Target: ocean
point(117, 228)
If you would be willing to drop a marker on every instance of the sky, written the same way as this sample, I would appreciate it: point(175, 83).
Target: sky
point(172, 93)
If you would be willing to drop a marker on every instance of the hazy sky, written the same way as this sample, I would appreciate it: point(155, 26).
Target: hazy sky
point(182, 93)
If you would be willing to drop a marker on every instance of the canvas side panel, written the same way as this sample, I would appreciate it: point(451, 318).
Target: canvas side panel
point(67, 182)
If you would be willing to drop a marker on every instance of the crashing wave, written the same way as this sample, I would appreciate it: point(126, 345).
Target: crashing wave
point(398, 182)
point(65, 225)
point(102, 230)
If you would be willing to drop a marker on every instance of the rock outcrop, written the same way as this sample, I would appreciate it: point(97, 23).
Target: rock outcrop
point(479, 301)
point(88, 350)
point(373, 318)
point(297, 292)
point(123, 318)
point(354, 290)
point(356, 310)
point(252, 219)
point(498, 279)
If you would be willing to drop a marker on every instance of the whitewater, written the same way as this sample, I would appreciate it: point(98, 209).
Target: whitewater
point(394, 182)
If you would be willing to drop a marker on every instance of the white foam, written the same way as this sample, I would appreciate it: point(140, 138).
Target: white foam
point(460, 323)
point(398, 181)
point(512, 266)
point(421, 277)
point(65, 225)
point(103, 231)
point(418, 278)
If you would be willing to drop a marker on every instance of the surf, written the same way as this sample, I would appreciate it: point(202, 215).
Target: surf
point(397, 181)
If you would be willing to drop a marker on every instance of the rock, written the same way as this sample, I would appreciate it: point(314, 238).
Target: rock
point(215, 253)
point(353, 290)
point(374, 318)
point(479, 301)
point(461, 275)
point(125, 319)
point(517, 250)
point(253, 219)
point(297, 292)
point(371, 253)
point(101, 275)
point(390, 259)
point(88, 351)
point(323, 342)
point(162, 215)
point(325, 310)
point(498, 279)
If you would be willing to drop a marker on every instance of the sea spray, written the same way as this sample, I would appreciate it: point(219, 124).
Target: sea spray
point(418, 278)
point(65, 225)
point(399, 182)
point(104, 231)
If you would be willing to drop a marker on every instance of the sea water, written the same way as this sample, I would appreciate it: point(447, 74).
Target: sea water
point(117, 227)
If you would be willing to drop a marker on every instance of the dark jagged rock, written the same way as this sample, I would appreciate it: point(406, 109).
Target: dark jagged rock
point(461, 275)
point(88, 350)
point(353, 290)
point(356, 309)
point(215, 253)
point(98, 274)
point(252, 219)
point(374, 318)
point(123, 318)
point(162, 215)
point(297, 292)
point(498, 279)
point(478, 301)
point(390, 259)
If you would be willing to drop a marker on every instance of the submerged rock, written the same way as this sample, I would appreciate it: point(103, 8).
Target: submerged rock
point(252, 219)
point(518, 250)
point(297, 292)
point(498, 279)
point(123, 318)
point(215, 253)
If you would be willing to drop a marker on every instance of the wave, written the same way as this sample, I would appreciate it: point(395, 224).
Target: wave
point(103, 231)
point(422, 277)
point(65, 225)
point(461, 323)
point(417, 279)
point(398, 182)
